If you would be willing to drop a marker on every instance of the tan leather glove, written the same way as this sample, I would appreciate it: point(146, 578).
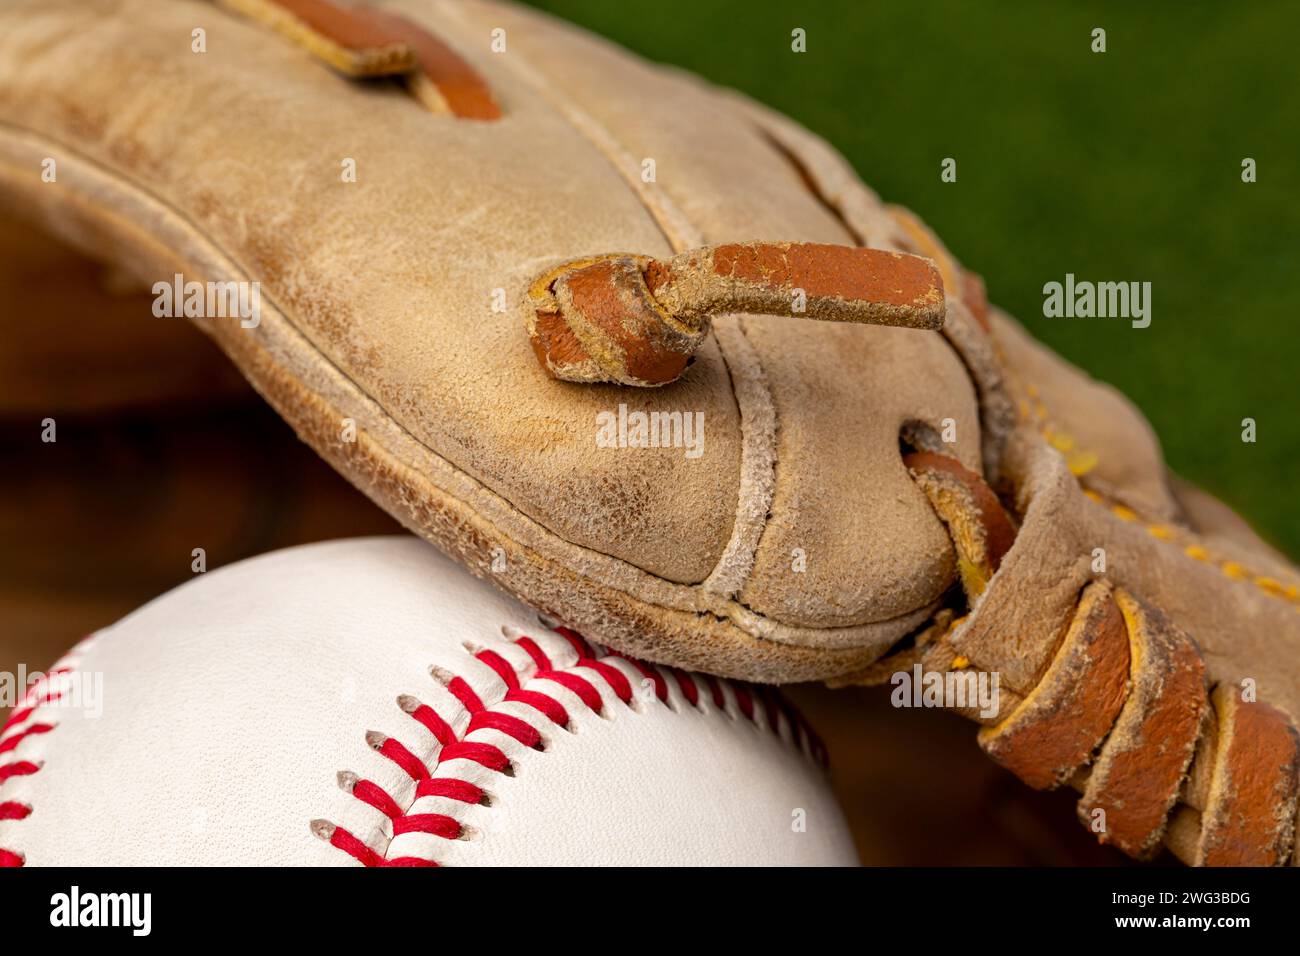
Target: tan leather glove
point(436, 196)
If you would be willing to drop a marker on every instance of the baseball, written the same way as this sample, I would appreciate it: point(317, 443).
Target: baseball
point(368, 702)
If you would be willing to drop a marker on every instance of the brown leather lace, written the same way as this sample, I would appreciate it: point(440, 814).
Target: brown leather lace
point(362, 41)
point(1124, 712)
point(635, 320)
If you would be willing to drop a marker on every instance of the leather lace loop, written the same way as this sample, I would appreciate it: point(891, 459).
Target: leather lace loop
point(637, 321)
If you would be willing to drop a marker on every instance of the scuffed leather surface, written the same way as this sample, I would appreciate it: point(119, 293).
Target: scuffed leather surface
point(1242, 629)
point(231, 704)
point(390, 281)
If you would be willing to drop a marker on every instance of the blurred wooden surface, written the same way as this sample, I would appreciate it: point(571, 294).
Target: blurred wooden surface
point(107, 517)
point(80, 338)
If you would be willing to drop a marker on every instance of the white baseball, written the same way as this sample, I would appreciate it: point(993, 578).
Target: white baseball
point(369, 701)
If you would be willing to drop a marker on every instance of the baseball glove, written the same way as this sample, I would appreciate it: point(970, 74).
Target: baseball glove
point(653, 358)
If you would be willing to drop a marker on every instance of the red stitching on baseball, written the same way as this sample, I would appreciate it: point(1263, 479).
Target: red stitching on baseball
point(520, 730)
point(20, 768)
point(450, 789)
point(426, 715)
point(29, 708)
point(776, 711)
point(9, 743)
point(465, 694)
point(549, 707)
point(536, 653)
point(579, 685)
point(452, 746)
point(399, 755)
point(17, 717)
point(614, 677)
point(501, 666)
point(719, 701)
point(577, 641)
point(38, 695)
point(687, 687)
point(377, 797)
point(650, 674)
point(745, 703)
point(435, 823)
point(485, 755)
point(345, 841)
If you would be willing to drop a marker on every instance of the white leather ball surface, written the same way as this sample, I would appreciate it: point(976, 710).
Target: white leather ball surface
point(369, 701)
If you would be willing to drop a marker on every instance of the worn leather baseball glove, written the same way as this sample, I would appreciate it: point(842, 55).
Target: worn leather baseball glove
point(653, 358)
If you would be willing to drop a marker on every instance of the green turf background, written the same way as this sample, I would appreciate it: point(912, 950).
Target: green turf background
point(1117, 166)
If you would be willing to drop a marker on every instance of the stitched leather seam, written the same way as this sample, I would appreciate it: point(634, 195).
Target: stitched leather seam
point(758, 442)
point(1192, 548)
point(1081, 461)
point(25, 727)
point(764, 707)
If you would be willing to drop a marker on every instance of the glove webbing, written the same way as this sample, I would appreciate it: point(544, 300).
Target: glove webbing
point(1124, 712)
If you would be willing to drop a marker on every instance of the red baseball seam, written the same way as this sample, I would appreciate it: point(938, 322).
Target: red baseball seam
point(577, 678)
point(451, 747)
point(38, 695)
